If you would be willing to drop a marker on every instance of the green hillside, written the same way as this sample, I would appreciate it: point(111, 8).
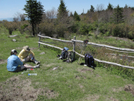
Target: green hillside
point(57, 80)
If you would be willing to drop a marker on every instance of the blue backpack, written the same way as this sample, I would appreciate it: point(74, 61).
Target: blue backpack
point(89, 60)
point(64, 53)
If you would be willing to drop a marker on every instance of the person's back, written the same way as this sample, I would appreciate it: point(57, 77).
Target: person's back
point(12, 62)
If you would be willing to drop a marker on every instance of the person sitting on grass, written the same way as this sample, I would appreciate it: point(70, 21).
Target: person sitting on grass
point(27, 55)
point(14, 63)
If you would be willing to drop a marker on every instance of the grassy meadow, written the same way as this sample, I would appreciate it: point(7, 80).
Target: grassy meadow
point(57, 80)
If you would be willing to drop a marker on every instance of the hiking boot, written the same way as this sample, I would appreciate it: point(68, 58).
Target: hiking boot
point(37, 66)
point(37, 62)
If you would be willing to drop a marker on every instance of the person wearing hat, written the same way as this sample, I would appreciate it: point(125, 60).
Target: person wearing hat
point(27, 55)
point(14, 64)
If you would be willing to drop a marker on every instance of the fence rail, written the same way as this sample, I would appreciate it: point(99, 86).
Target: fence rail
point(90, 43)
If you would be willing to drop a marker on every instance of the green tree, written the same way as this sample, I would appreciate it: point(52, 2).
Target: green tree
point(76, 16)
point(126, 6)
point(34, 11)
point(92, 8)
point(62, 11)
point(109, 7)
point(71, 14)
point(118, 15)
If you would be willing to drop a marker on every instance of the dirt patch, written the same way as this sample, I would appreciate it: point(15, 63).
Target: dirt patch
point(84, 70)
point(118, 89)
point(129, 88)
point(80, 77)
point(16, 89)
point(91, 98)
point(113, 99)
point(48, 65)
point(2, 61)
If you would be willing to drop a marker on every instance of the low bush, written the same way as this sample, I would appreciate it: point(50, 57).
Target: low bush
point(83, 29)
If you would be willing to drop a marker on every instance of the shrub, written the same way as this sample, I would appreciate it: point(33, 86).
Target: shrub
point(95, 25)
point(47, 28)
point(103, 28)
point(24, 26)
point(118, 30)
point(60, 29)
point(73, 27)
point(9, 26)
point(83, 29)
point(130, 35)
point(90, 27)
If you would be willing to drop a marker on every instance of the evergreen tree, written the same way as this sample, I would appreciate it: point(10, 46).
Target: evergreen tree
point(110, 7)
point(71, 14)
point(34, 10)
point(92, 9)
point(126, 6)
point(76, 16)
point(88, 11)
point(62, 12)
point(118, 15)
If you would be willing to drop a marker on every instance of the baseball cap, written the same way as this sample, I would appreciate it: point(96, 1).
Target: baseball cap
point(14, 51)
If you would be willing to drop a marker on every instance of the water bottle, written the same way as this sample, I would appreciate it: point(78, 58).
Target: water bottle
point(32, 74)
point(24, 72)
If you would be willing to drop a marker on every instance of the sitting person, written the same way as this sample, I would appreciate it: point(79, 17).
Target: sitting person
point(14, 63)
point(27, 55)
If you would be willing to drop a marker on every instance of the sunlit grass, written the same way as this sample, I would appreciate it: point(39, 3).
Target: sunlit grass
point(70, 81)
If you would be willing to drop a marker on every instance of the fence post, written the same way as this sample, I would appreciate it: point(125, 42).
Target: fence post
point(39, 38)
point(74, 47)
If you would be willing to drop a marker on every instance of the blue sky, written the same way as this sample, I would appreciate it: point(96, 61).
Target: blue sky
point(9, 8)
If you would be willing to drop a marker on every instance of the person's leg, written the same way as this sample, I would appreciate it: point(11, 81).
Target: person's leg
point(28, 58)
point(32, 58)
point(26, 66)
point(30, 67)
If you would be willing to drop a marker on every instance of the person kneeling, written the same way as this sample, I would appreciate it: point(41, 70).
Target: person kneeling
point(14, 64)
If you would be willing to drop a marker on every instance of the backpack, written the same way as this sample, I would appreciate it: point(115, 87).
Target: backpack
point(89, 60)
point(64, 53)
point(70, 57)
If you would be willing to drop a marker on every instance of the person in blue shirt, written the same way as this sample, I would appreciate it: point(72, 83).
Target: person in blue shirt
point(14, 63)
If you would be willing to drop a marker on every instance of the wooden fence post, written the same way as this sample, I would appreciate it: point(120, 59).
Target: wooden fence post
point(74, 47)
point(39, 38)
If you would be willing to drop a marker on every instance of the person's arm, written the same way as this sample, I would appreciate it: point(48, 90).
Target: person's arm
point(18, 61)
point(31, 52)
point(20, 54)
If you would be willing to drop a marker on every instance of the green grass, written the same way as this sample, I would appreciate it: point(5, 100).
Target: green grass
point(108, 40)
point(69, 82)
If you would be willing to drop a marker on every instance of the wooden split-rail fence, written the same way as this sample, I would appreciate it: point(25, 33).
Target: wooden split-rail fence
point(89, 43)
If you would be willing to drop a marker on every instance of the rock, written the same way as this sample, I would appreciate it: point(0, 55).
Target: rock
point(13, 36)
point(14, 40)
point(42, 53)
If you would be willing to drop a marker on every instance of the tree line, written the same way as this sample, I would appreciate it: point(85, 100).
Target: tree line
point(116, 21)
